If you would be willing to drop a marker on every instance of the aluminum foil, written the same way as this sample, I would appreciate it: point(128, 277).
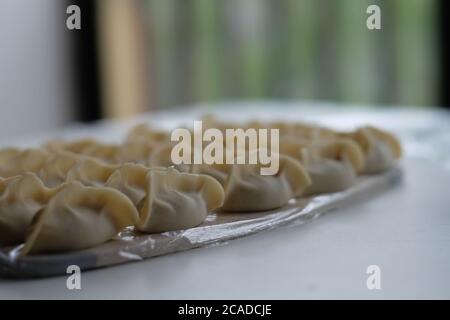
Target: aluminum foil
point(130, 245)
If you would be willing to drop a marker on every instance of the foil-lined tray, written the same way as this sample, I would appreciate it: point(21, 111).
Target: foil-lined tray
point(131, 246)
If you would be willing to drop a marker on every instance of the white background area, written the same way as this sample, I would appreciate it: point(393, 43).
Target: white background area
point(35, 88)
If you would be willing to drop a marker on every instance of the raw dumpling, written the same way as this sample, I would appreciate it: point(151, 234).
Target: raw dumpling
point(344, 150)
point(130, 179)
point(295, 130)
point(55, 170)
point(87, 147)
point(79, 217)
point(77, 146)
point(21, 197)
point(103, 151)
point(176, 200)
point(162, 157)
point(332, 165)
point(91, 172)
point(247, 190)
point(7, 154)
point(14, 162)
point(381, 149)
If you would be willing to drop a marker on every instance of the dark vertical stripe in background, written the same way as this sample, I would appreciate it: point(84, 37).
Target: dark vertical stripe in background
point(86, 64)
point(444, 26)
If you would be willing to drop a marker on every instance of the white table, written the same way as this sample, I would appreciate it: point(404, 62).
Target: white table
point(406, 231)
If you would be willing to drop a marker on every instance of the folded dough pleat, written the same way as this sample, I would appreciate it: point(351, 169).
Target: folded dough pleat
point(247, 190)
point(91, 172)
point(293, 130)
point(176, 200)
point(14, 162)
point(103, 151)
point(332, 164)
point(130, 179)
point(55, 170)
point(87, 147)
point(79, 217)
point(21, 197)
point(328, 175)
point(134, 150)
point(76, 146)
point(381, 149)
point(161, 156)
point(7, 154)
point(344, 150)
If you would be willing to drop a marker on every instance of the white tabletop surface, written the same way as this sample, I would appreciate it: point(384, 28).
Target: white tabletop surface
point(405, 231)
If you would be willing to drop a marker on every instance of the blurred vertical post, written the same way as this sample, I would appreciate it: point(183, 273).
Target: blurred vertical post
point(85, 64)
point(123, 58)
point(444, 27)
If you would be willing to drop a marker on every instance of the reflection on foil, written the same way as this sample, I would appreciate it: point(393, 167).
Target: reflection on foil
point(128, 255)
point(14, 253)
point(127, 234)
point(211, 217)
point(149, 242)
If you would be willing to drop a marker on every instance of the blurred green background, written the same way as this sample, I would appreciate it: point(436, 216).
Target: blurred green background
point(206, 50)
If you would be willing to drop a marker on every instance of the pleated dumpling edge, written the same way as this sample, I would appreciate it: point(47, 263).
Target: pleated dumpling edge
point(21, 197)
point(246, 190)
point(79, 217)
point(177, 200)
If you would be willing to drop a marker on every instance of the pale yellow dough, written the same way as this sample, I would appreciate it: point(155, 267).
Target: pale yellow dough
point(21, 197)
point(79, 217)
point(177, 200)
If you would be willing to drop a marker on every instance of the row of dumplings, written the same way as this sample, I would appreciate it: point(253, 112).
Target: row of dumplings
point(97, 201)
point(74, 195)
